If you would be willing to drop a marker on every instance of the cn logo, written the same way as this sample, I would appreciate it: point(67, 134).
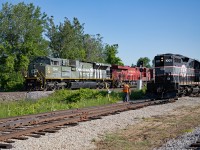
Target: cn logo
point(183, 71)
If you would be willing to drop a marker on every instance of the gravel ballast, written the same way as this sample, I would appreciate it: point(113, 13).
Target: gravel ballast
point(15, 96)
point(83, 135)
point(183, 142)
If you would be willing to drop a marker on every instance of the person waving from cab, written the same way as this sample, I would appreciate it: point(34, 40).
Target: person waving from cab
point(127, 92)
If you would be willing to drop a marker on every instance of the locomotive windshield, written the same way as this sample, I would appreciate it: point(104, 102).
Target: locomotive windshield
point(41, 60)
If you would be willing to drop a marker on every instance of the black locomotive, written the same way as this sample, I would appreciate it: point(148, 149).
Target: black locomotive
point(175, 75)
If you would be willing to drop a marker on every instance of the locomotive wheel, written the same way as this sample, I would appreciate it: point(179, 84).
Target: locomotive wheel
point(45, 88)
point(101, 85)
point(116, 84)
point(108, 84)
point(53, 88)
point(62, 87)
point(68, 85)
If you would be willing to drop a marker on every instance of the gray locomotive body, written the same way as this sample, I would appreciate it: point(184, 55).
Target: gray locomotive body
point(175, 75)
point(46, 73)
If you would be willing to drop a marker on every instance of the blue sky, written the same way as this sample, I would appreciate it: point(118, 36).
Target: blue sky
point(141, 28)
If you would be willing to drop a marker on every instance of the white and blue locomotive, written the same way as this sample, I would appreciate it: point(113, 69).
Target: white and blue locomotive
point(47, 73)
point(175, 75)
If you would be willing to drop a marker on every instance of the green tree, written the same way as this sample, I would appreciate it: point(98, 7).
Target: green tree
point(21, 37)
point(56, 39)
point(73, 46)
point(67, 40)
point(145, 60)
point(111, 52)
point(94, 48)
point(133, 65)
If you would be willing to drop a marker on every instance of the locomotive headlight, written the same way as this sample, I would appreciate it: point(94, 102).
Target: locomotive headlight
point(34, 72)
point(161, 59)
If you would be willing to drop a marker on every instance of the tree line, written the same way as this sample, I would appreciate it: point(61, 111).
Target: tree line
point(26, 32)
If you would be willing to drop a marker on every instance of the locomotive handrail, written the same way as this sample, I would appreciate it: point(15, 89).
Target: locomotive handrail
point(41, 74)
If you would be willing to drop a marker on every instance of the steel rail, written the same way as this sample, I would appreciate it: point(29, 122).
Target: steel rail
point(35, 119)
point(48, 113)
point(88, 114)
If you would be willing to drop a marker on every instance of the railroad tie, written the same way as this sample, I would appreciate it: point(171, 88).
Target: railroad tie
point(95, 118)
point(20, 138)
point(5, 146)
point(34, 135)
point(71, 124)
point(50, 131)
point(9, 141)
point(39, 133)
point(195, 146)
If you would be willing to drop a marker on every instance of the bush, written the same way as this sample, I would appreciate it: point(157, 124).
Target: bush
point(138, 94)
point(64, 99)
point(59, 100)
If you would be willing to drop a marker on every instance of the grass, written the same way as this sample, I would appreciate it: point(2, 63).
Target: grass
point(60, 100)
point(152, 132)
point(138, 94)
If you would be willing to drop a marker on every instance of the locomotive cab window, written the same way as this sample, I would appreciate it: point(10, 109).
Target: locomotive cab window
point(63, 62)
point(185, 59)
point(56, 63)
point(177, 60)
point(108, 72)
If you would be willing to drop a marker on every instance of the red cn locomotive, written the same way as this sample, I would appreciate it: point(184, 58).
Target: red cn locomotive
point(130, 75)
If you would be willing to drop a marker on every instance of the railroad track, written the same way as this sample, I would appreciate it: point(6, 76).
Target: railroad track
point(195, 146)
point(37, 125)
